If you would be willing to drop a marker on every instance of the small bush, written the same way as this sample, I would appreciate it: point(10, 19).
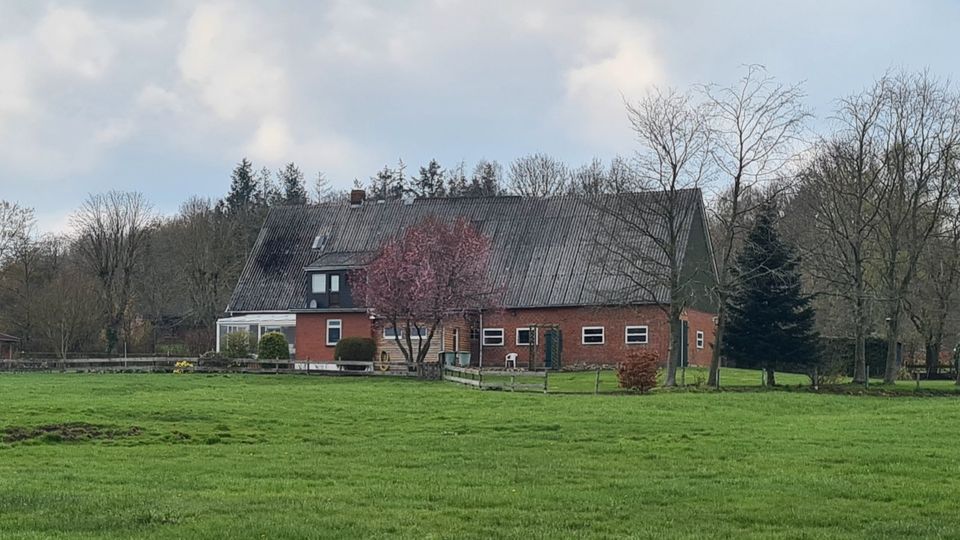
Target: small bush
point(214, 359)
point(638, 371)
point(356, 349)
point(273, 346)
point(238, 345)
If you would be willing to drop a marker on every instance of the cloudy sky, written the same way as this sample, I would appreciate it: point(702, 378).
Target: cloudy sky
point(164, 97)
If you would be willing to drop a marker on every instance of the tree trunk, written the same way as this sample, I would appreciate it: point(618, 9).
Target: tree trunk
point(932, 357)
point(860, 346)
point(893, 333)
point(714, 378)
point(673, 356)
point(771, 377)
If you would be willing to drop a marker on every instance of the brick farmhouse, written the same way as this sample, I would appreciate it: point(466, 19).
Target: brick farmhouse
point(560, 305)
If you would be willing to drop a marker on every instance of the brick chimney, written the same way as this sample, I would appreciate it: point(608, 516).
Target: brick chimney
point(357, 196)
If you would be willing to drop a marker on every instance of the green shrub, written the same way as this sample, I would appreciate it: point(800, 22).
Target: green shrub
point(273, 346)
point(214, 359)
point(238, 345)
point(356, 349)
point(638, 371)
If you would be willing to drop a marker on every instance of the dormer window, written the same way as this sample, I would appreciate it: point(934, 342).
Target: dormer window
point(335, 283)
point(320, 283)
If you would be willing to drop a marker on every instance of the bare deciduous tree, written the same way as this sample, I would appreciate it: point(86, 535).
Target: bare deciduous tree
point(922, 128)
point(757, 127)
point(16, 222)
point(643, 233)
point(111, 230)
point(538, 175)
point(844, 185)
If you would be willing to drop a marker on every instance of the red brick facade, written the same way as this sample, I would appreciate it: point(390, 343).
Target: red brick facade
point(613, 320)
point(312, 334)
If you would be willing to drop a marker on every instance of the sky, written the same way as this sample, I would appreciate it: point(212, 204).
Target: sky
point(165, 97)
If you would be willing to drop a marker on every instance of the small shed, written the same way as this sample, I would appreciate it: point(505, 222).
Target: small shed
point(8, 346)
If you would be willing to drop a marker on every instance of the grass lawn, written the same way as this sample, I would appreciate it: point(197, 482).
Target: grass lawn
point(184, 456)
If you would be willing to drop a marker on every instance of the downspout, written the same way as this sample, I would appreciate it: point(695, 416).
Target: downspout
point(481, 339)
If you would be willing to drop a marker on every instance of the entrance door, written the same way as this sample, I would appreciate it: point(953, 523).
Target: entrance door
point(552, 348)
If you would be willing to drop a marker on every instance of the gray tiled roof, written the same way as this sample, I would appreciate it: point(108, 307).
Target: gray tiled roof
point(544, 252)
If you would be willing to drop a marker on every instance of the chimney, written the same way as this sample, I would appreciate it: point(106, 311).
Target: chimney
point(357, 196)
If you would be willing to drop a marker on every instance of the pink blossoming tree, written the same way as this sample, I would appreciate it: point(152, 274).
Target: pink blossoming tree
point(433, 270)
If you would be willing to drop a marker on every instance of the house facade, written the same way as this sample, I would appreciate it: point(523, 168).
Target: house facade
point(563, 303)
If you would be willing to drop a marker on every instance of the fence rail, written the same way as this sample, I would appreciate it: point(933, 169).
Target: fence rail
point(163, 364)
point(497, 379)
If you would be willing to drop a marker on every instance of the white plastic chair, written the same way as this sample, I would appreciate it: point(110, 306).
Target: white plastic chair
point(511, 361)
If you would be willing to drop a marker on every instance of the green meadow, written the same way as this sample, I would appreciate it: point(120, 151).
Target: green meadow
point(248, 456)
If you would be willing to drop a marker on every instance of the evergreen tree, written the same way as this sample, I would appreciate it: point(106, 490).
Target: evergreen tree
point(399, 187)
point(430, 183)
point(771, 321)
point(457, 182)
point(381, 184)
point(487, 180)
point(244, 191)
point(269, 194)
point(291, 181)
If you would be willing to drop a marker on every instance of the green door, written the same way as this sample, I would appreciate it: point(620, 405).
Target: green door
point(552, 347)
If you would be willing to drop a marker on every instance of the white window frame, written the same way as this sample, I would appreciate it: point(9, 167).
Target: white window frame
point(583, 335)
point(646, 335)
point(236, 328)
point(322, 280)
point(334, 286)
point(501, 339)
point(533, 332)
point(398, 334)
point(700, 339)
point(338, 326)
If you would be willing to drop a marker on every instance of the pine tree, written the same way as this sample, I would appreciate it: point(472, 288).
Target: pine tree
point(244, 190)
point(771, 321)
point(381, 184)
point(399, 187)
point(457, 182)
point(487, 180)
point(269, 195)
point(291, 182)
point(430, 183)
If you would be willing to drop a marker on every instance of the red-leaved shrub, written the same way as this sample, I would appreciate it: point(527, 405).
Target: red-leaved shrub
point(638, 371)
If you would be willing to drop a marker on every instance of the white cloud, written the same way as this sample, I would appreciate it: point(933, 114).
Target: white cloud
point(618, 61)
point(75, 42)
point(224, 58)
point(15, 89)
point(155, 98)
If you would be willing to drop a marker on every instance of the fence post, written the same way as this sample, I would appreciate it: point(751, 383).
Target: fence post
point(513, 383)
point(546, 375)
point(596, 384)
point(917, 375)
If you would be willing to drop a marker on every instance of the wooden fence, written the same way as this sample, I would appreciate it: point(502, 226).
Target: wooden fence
point(162, 364)
point(497, 379)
